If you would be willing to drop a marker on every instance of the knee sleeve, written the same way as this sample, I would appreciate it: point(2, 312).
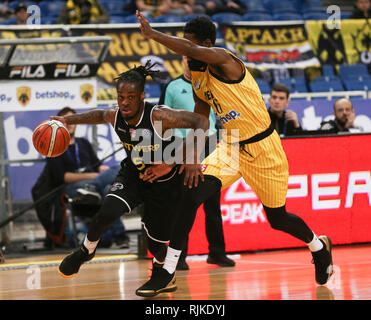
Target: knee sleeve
point(276, 217)
point(111, 209)
point(282, 220)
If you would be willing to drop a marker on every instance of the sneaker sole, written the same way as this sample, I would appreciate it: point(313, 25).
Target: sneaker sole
point(330, 268)
point(150, 293)
point(65, 275)
point(89, 193)
point(223, 265)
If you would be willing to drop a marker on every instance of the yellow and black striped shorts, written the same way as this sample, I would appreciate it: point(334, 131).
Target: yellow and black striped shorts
point(262, 164)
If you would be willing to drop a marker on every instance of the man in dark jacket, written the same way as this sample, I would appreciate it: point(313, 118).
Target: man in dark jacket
point(344, 118)
point(284, 121)
point(362, 10)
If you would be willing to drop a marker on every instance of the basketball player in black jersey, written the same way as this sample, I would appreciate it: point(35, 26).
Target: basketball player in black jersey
point(134, 118)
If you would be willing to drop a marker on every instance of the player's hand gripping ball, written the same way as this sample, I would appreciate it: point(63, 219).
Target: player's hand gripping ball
point(51, 138)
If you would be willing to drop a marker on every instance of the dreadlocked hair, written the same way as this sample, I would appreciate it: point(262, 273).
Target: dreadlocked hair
point(138, 75)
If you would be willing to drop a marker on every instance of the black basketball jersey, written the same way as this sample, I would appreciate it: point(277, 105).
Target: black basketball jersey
point(142, 143)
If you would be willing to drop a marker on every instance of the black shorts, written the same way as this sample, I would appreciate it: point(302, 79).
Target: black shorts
point(160, 199)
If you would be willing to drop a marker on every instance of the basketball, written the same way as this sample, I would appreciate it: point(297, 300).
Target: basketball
point(51, 138)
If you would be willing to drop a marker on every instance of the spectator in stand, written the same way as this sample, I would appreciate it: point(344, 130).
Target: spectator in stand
point(223, 6)
point(344, 118)
point(184, 7)
point(285, 122)
point(362, 10)
point(154, 8)
point(5, 12)
point(21, 14)
point(83, 12)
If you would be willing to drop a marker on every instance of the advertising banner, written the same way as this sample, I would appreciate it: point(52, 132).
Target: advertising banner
point(329, 187)
point(349, 44)
point(47, 95)
point(312, 113)
point(270, 45)
point(127, 49)
point(18, 127)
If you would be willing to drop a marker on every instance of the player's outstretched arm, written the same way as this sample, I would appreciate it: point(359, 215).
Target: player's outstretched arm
point(97, 116)
point(185, 47)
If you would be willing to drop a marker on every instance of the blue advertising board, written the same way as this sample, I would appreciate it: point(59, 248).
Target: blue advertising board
point(19, 126)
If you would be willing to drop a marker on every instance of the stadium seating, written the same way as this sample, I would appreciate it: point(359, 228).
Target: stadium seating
point(113, 7)
point(287, 16)
point(226, 17)
point(257, 17)
point(315, 16)
point(352, 85)
point(273, 5)
point(168, 18)
point(49, 20)
point(11, 21)
point(295, 84)
point(263, 85)
point(194, 15)
point(131, 19)
point(117, 19)
point(328, 70)
point(51, 8)
point(13, 4)
point(284, 11)
point(326, 86)
point(345, 15)
point(353, 71)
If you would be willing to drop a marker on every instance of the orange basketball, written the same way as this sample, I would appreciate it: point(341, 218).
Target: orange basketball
point(51, 138)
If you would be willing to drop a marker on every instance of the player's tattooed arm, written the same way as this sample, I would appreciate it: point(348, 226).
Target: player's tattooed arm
point(191, 149)
point(97, 116)
point(170, 119)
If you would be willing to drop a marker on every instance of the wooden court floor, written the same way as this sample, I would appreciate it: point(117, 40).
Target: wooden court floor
point(275, 275)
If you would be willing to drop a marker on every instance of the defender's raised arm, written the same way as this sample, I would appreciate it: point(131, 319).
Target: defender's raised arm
point(185, 47)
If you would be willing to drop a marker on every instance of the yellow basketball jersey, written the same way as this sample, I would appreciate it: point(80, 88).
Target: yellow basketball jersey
point(238, 104)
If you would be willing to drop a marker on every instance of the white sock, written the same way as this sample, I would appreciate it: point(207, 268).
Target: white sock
point(315, 244)
point(90, 245)
point(171, 260)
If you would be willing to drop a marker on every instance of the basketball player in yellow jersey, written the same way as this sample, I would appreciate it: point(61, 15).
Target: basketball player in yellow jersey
point(221, 81)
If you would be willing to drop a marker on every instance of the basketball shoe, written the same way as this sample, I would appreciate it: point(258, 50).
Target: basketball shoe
point(160, 281)
point(89, 195)
point(71, 264)
point(221, 260)
point(322, 260)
